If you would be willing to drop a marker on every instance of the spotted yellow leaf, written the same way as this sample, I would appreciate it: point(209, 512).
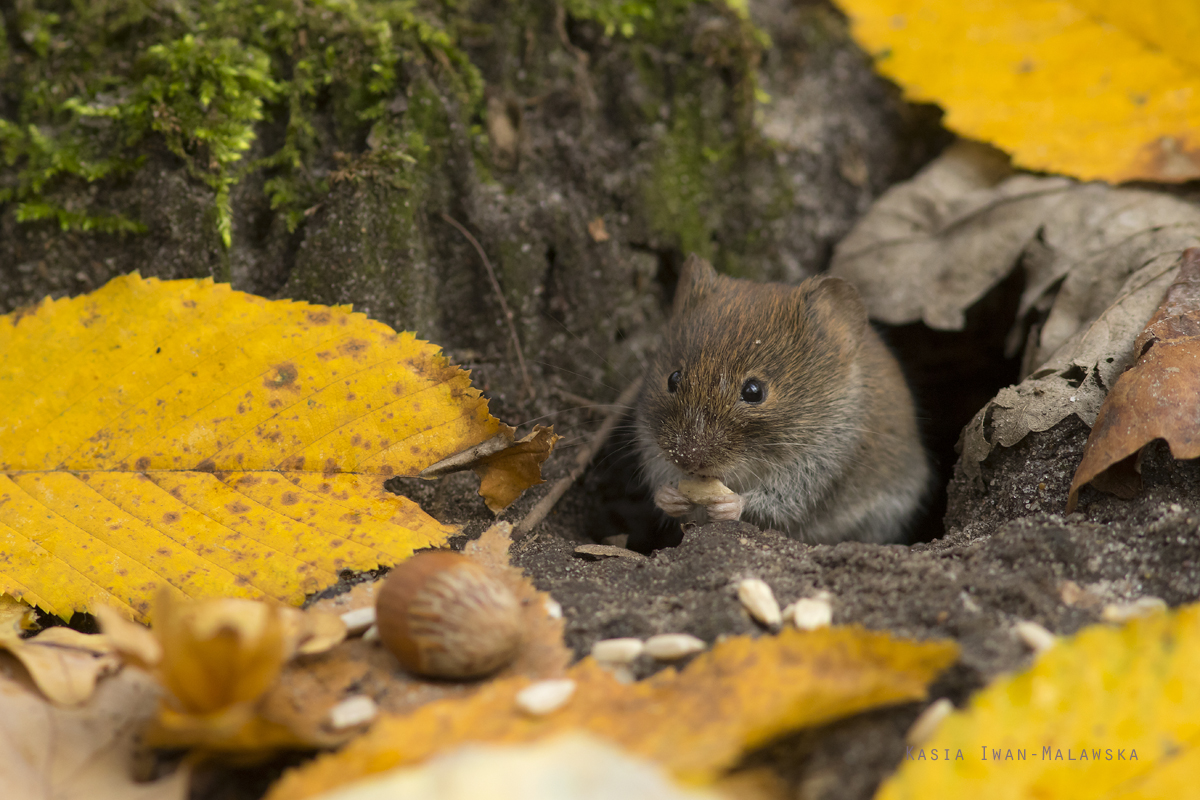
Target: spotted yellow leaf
point(1110, 713)
point(181, 434)
point(696, 723)
point(1096, 89)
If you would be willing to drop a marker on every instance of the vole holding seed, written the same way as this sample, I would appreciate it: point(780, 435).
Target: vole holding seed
point(788, 397)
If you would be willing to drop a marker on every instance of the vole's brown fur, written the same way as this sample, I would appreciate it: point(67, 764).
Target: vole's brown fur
point(831, 453)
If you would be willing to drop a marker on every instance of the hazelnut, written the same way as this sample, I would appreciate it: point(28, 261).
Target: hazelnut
point(444, 616)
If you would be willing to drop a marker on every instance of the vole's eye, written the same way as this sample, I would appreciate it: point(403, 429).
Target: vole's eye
point(673, 381)
point(754, 391)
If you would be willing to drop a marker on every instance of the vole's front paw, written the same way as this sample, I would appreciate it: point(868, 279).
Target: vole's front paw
point(669, 499)
point(726, 507)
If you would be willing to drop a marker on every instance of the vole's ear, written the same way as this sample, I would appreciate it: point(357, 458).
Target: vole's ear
point(836, 306)
point(697, 280)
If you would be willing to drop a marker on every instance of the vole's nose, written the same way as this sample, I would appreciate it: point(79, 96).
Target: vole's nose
point(693, 450)
point(691, 459)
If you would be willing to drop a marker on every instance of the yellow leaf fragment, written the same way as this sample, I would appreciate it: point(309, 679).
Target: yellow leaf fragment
point(1096, 89)
point(181, 434)
point(696, 722)
point(14, 613)
point(218, 653)
point(1109, 713)
point(48, 752)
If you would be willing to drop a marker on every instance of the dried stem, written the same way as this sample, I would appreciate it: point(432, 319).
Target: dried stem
point(543, 506)
point(508, 314)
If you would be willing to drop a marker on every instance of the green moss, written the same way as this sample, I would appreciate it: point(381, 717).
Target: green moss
point(205, 76)
point(310, 92)
point(708, 129)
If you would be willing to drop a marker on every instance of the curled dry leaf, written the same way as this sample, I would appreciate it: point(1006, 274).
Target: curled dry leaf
point(63, 663)
point(505, 467)
point(216, 659)
point(696, 722)
point(1156, 398)
point(1095, 262)
point(505, 475)
point(597, 230)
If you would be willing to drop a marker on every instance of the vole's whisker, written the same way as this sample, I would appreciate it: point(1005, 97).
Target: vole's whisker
point(566, 371)
point(586, 346)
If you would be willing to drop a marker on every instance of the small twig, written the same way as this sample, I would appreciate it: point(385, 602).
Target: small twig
point(508, 315)
point(585, 455)
point(582, 81)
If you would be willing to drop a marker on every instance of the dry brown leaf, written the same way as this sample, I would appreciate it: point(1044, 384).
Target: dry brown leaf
point(1095, 262)
point(1156, 398)
point(310, 687)
point(505, 467)
point(14, 612)
point(697, 723)
point(505, 475)
point(65, 664)
point(81, 753)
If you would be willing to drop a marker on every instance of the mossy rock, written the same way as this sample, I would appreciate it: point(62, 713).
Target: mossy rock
point(312, 151)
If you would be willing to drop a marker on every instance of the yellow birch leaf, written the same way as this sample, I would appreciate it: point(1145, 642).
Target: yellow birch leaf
point(1110, 713)
point(696, 723)
point(181, 434)
point(1096, 89)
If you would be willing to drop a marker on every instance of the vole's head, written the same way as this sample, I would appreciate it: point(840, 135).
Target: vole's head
point(751, 376)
